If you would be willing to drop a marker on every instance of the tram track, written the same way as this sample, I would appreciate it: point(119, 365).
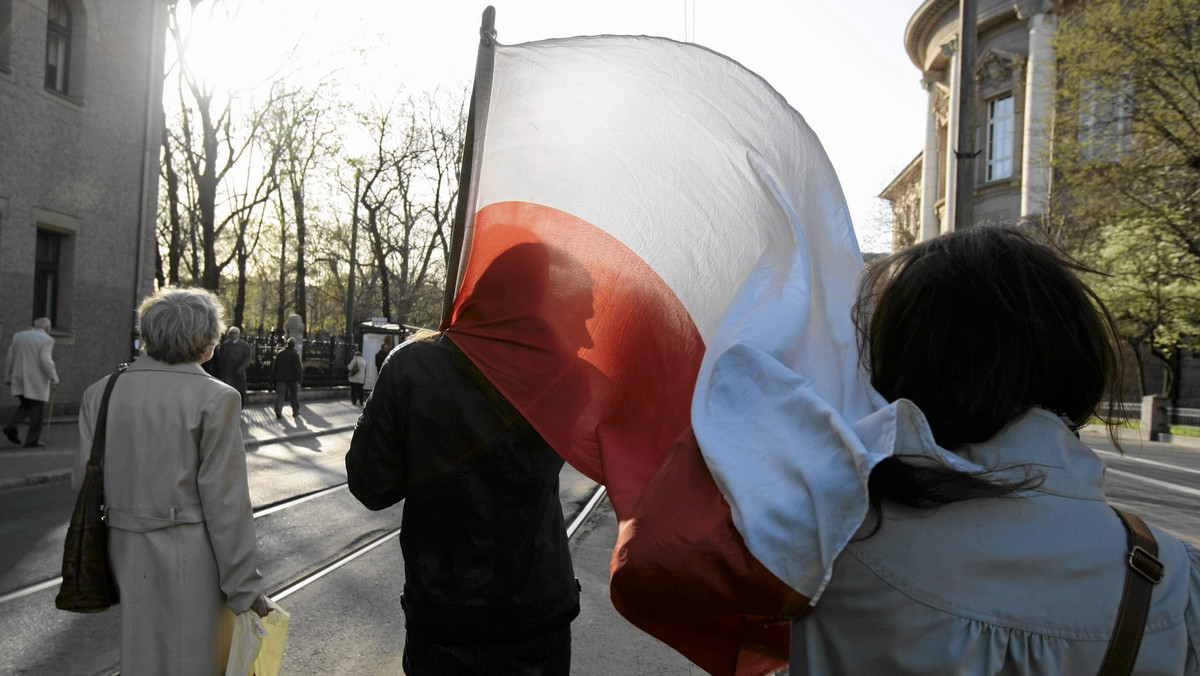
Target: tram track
point(296, 585)
point(259, 512)
point(299, 583)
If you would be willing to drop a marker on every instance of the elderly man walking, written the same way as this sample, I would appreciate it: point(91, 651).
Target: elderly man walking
point(29, 369)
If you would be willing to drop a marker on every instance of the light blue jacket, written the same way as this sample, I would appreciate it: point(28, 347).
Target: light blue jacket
point(1019, 585)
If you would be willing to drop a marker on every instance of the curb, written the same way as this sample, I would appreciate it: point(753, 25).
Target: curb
point(35, 479)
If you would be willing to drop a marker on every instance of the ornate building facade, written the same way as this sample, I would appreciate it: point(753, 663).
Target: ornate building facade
point(1013, 80)
point(80, 131)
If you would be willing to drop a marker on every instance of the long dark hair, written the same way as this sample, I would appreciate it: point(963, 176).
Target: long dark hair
point(976, 327)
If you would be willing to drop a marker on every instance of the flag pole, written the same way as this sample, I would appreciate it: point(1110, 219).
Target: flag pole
point(468, 176)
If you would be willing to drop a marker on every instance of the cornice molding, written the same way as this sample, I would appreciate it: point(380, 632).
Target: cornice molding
point(926, 16)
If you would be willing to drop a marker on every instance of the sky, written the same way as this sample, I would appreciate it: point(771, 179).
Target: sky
point(841, 64)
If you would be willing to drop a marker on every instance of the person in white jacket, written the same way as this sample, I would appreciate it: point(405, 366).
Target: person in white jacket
point(29, 370)
point(357, 375)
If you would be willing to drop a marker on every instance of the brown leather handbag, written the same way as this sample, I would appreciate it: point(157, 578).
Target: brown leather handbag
point(87, 582)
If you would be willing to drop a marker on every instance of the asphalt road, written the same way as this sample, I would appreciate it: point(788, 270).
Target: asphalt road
point(350, 622)
point(1158, 482)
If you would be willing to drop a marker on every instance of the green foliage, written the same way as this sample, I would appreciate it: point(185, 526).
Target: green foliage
point(1151, 286)
point(1126, 196)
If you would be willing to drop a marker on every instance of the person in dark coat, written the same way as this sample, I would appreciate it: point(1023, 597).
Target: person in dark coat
point(235, 357)
point(384, 350)
point(488, 582)
point(289, 373)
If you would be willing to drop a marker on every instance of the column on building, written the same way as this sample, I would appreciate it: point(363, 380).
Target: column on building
point(930, 161)
point(1039, 108)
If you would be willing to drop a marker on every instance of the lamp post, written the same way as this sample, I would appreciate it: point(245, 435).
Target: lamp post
point(353, 258)
point(964, 150)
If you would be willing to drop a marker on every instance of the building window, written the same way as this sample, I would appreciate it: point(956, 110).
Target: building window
point(6, 23)
point(58, 46)
point(1106, 120)
point(1000, 138)
point(46, 274)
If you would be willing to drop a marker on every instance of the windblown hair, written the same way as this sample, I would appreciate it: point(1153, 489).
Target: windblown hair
point(976, 327)
point(178, 325)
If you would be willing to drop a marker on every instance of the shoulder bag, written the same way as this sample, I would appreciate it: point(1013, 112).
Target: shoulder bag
point(87, 582)
point(1145, 570)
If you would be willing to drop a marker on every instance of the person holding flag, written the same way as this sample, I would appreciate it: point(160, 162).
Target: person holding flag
point(489, 584)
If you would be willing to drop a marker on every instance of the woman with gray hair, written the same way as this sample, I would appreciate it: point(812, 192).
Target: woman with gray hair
point(181, 532)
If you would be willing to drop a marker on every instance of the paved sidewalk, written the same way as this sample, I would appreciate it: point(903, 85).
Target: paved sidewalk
point(21, 466)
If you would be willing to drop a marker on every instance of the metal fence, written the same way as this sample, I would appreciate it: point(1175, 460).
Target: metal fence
point(1175, 416)
point(324, 360)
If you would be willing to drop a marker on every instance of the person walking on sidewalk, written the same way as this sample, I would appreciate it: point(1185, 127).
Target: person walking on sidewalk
point(289, 373)
point(489, 585)
point(234, 357)
point(357, 375)
point(29, 370)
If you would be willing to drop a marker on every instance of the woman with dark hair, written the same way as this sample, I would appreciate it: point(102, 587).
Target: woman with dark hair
point(1005, 558)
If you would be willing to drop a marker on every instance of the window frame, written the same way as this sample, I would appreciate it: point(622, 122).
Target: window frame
point(68, 229)
point(58, 46)
point(47, 278)
point(6, 22)
point(999, 167)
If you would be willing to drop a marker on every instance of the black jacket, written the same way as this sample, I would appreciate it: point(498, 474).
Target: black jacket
point(287, 366)
point(483, 536)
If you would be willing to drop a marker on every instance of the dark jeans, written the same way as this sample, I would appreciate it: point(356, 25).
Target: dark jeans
point(548, 655)
point(290, 389)
point(35, 410)
point(356, 393)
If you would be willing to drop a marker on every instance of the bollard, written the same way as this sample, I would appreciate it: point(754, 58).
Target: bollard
point(1155, 419)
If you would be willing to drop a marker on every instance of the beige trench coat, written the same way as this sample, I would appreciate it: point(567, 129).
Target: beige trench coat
point(29, 366)
point(181, 531)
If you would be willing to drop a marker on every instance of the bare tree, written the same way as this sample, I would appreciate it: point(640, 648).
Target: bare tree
point(209, 145)
point(302, 131)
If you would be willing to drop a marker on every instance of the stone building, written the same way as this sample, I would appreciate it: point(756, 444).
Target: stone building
point(1013, 81)
point(1014, 104)
point(80, 131)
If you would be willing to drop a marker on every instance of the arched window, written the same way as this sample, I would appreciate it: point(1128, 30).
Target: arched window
point(58, 46)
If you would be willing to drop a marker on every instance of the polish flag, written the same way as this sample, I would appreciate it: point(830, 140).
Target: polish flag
point(658, 269)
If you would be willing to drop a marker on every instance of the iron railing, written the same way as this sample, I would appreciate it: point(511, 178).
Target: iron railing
point(1175, 416)
point(324, 360)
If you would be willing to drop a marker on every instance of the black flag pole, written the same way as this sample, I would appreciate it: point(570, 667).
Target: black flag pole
point(468, 175)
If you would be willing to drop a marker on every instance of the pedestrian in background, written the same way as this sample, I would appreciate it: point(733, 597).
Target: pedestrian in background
point(995, 553)
point(181, 540)
point(29, 370)
point(381, 356)
point(288, 372)
point(357, 374)
point(234, 360)
point(489, 586)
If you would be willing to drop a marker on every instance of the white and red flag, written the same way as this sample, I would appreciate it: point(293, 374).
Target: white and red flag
point(658, 269)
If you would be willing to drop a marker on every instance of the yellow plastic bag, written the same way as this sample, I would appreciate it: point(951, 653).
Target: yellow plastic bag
point(258, 642)
point(270, 657)
point(248, 634)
